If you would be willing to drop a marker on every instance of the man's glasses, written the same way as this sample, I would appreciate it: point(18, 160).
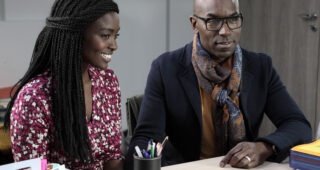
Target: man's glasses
point(216, 23)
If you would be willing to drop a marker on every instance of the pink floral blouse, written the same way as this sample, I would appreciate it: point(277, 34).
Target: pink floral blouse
point(32, 128)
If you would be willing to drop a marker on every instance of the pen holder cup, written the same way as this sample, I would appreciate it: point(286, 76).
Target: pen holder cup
point(146, 163)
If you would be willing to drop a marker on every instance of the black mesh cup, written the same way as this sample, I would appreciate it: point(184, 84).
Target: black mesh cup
point(146, 163)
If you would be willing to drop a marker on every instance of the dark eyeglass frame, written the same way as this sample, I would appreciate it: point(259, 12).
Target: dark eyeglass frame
point(223, 19)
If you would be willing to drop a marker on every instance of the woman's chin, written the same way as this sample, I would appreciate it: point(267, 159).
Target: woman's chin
point(102, 66)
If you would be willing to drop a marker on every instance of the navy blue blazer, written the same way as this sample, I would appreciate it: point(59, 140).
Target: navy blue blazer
point(172, 106)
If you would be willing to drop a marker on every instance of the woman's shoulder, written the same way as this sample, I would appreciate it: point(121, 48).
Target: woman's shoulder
point(33, 103)
point(38, 87)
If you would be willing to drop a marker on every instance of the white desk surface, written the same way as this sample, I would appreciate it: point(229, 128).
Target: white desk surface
point(213, 163)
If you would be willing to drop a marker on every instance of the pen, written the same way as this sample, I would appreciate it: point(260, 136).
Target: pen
point(145, 154)
point(159, 148)
point(165, 141)
point(162, 145)
point(138, 152)
point(152, 149)
point(149, 145)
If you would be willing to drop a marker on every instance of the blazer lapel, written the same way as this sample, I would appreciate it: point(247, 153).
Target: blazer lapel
point(246, 82)
point(189, 82)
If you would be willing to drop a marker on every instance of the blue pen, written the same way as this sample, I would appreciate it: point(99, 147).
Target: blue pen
point(145, 154)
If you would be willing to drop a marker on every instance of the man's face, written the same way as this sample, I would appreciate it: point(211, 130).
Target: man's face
point(221, 43)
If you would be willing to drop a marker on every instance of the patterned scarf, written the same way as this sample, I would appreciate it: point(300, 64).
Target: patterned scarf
point(227, 118)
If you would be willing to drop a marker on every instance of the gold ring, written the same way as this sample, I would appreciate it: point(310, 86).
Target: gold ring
point(248, 158)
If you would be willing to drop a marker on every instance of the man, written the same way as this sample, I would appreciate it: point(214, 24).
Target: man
point(209, 97)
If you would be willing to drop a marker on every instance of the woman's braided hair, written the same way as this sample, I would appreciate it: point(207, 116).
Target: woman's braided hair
point(59, 49)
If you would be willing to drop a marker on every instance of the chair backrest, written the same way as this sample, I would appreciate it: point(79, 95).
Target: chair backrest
point(133, 107)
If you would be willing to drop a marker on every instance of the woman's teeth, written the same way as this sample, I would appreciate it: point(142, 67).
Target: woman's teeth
point(106, 56)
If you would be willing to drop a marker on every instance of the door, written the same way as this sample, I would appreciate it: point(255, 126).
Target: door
point(287, 30)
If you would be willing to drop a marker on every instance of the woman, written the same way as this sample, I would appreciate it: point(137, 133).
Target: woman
point(67, 106)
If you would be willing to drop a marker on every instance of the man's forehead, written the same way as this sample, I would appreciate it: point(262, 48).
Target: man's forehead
point(214, 7)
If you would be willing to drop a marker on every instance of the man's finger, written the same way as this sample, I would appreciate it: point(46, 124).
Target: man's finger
point(229, 155)
point(237, 159)
point(251, 164)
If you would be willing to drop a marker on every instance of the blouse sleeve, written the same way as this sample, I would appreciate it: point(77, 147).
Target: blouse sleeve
point(29, 126)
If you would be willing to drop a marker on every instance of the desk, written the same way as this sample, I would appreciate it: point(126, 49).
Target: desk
point(213, 163)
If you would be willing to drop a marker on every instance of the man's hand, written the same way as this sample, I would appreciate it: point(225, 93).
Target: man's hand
point(247, 155)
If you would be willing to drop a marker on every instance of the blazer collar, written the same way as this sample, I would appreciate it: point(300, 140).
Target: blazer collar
point(247, 73)
point(246, 82)
point(189, 81)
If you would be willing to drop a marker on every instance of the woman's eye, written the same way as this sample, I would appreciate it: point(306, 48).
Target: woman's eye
point(106, 36)
point(117, 35)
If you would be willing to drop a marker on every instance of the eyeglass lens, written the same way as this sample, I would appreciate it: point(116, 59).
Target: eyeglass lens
point(215, 24)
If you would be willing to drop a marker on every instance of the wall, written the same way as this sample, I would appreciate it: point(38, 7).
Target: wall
point(180, 30)
point(142, 39)
point(19, 26)
point(17, 39)
point(1, 10)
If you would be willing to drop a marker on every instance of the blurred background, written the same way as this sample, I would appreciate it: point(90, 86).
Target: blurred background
point(287, 30)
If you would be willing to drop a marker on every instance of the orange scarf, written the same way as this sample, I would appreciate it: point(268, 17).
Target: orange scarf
point(227, 118)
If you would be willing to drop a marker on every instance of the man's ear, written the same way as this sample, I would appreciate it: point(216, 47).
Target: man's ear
point(193, 22)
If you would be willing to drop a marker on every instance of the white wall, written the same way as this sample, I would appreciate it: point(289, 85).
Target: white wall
point(1, 10)
point(146, 32)
point(17, 39)
point(20, 25)
point(21, 10)
point(180, 30)
point(142, 39)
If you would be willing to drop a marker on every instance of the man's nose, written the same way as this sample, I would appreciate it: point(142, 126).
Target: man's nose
point(225, 30)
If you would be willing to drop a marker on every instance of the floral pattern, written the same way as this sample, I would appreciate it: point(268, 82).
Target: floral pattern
point(32, 127)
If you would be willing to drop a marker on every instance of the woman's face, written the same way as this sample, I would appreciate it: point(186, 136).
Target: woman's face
point(100, 40)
